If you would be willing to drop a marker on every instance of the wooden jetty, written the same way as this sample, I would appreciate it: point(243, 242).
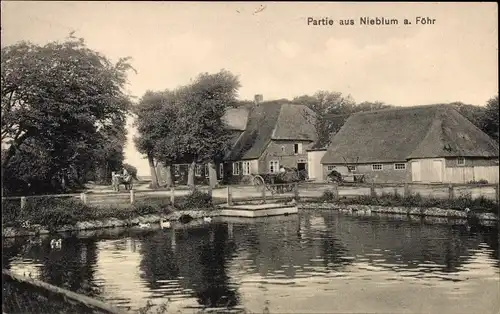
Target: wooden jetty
point(258, 210)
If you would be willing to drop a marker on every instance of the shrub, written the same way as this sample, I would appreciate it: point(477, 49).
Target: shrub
point(196, 200)
point(412, 200)
point(482, 181)
point(328, 195)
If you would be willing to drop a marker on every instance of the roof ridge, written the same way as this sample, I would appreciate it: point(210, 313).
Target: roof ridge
point(434, 124)
point(273, 133)
point(405, 108)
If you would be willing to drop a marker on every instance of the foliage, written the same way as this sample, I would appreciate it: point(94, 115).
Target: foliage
point(57, 212)
point(332, 110)
point(203, 133)
point(195, 200)
point(131, 170)
point(58, 103)
point(186, 125)
point(482, 181)
point(489, 120)
point(328, 196)
point(416, 200)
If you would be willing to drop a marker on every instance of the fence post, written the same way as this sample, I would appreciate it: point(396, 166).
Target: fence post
point(450, 192)
point(83, 197)
point(496, 192)
point(296, 191)
point(229, 196)
point(172, 195)
point(372, 190)
point(264, 193)
point(23, 202)
point(132, 196)
point(407, 190)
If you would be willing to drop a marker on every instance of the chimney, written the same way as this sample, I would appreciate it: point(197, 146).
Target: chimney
point(258, 99)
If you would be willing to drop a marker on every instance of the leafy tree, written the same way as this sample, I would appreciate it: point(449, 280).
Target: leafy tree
point(131, 170)
point(55, 99)
point(156, 122)
point(489, 119)
point(204, 134)
point(329, 108)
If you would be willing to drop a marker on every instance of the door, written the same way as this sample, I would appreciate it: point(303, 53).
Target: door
point(437, 171)
point(415, 171)
point(301, 166)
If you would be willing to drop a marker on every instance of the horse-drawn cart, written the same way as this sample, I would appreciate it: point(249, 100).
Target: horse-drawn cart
point(277, 183)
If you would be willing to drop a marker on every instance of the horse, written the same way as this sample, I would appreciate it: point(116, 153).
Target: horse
point(126, 180)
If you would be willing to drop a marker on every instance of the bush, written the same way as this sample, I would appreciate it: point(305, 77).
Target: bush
point(482, 181)
point(196, 200)
point(328, 195)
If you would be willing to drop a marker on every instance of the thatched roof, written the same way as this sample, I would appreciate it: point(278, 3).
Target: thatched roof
point(403, 133)
point(295, 122)
point(272, 120)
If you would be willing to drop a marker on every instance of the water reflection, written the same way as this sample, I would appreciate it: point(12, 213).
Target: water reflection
point(285, 264)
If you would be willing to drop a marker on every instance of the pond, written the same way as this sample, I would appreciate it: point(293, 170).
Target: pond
point(314, 262)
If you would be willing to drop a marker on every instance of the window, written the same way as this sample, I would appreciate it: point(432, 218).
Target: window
point(351, 168)
point(399, 166)
point(297, 148)
point(461, 161)
point(177, 170)
point(283, 148)
point(274, 166)
point(377, 167)
point(221, 170)
point(236, 168)
point(197, 170)
point(206, 171)
point(246, 168)
point(330, 168)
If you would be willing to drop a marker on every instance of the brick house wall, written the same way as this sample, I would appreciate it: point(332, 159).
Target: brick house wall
point(471, 162)
point(283, 151)
point(387, 175)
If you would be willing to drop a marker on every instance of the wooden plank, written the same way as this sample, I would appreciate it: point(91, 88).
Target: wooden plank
point(71, 296)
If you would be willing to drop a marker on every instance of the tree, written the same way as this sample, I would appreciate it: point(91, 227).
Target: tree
point(370, 106)
point(204, 134)
point(156, 122)
point(489, 119)
point(329, 108)
point(55, 99)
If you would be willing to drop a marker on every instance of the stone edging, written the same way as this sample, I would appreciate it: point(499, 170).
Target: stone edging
point(431, 211)
point(198, 214)
point(107, 223)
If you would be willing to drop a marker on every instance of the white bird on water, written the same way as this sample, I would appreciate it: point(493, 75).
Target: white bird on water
point(56, 244)
point(207, 219)
point(165, 224)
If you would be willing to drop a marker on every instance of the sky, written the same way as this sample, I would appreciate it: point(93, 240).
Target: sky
point(276, 53)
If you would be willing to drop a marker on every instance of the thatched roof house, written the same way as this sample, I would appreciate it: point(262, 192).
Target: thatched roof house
point(267, 121)
point(396, 136)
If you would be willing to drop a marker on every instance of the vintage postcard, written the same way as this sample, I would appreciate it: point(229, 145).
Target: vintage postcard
point(249, 157)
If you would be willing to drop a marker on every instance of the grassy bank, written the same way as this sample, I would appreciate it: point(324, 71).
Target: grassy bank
point(478, 205)
point(54, 213)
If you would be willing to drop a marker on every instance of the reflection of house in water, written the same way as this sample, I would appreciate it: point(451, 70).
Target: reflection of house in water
point(395, 243)
point(288, 248)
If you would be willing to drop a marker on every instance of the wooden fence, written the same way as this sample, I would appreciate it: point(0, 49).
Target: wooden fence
point(301, 190)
